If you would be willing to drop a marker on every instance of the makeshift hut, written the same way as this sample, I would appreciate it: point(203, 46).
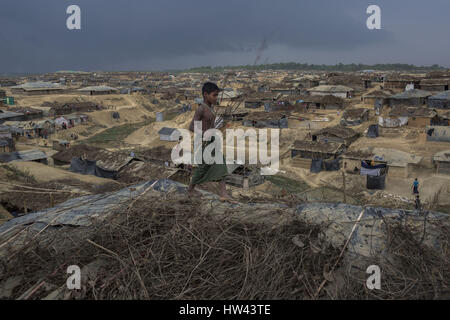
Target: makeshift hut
point(159, 116)
point(440, 100)
point(28, 113)
point(6, 139)
point(414, 97)
point(38, 87)
point(373, 131)
point(441, 84)
point(400, 81)
point(338, 134)
point(59, 109)
point(375, 175)
point(266, 120)
point(381, 95)
point(244, 176)
point(169, 134)
point(60, 122)
point(98, 90)
point(312, 154)
point(334, 90)
point(92, 160)
point(401, 164)
point(417, 117)
point(438, 133)
point(285, 89)
point(11, 116)
point(441, 161)
point(331, 102)
point(34, 155)
point(278, 106)
point(354, 117)
point(160, 155)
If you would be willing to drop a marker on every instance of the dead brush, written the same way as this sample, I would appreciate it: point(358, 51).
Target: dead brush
point(167, 248)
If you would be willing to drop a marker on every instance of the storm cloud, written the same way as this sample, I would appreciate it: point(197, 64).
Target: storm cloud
point(157, 34)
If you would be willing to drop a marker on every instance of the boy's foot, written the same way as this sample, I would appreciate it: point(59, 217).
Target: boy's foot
point(193, 193)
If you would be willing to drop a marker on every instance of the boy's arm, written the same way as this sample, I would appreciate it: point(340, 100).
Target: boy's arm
point(197, 117)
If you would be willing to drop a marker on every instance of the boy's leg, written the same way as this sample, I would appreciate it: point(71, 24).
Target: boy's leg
point(192, 192)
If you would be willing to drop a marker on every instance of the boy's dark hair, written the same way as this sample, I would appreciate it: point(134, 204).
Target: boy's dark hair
point(209, 87)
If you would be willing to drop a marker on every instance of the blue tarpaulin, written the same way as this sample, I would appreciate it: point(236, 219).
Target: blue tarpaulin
point(316, 165)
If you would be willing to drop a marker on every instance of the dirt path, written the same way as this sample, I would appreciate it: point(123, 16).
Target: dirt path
point(45, 173)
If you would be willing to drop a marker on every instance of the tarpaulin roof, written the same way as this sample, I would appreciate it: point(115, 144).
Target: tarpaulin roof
point(445, 95)
point(166, 131)
point(26, 155)
point(414, 93)
point(331, 88)
point(98, 88)
point(38, 85)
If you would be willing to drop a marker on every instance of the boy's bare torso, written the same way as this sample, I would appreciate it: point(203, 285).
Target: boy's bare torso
point(204, 114)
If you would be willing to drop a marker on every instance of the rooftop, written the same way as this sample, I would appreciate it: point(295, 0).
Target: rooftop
point(338, 131)
point(105, 159)
point(443, 156)
point(256, 116)
point(331, 88)
point(378, 94)
point(38, 85)
point(26, 155)
point(354, 113)
point(444, 95)
point(9, 114)
point(166, 131)
point(414, 93)
point(98, 88)
point(405, 111)
point(315, 146)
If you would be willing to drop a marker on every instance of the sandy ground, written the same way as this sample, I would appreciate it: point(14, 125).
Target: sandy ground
point(429, 186)
point(45, 173)
point(148, 135)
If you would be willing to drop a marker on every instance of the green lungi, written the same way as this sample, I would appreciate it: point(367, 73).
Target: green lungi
point(209, 172)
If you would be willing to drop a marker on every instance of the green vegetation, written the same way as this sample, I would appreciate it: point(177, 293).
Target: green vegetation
point(19, 175)
point(290, 185)
point(92, 129)
point(318, 67)
point(116, 134)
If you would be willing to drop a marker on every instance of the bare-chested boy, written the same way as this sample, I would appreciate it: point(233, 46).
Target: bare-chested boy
point(208, 172)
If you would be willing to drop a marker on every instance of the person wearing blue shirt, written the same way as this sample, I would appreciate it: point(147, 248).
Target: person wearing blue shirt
point(415, 186)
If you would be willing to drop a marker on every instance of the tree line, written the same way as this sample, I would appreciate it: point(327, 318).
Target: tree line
point(318, 67)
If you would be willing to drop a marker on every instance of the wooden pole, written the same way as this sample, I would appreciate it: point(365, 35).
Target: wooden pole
point(52, 201)
point(343, 183)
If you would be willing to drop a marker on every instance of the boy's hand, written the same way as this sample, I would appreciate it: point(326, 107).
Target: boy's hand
point(207, 135)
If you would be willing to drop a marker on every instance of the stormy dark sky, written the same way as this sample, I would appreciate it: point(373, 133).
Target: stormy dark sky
point(171, 34)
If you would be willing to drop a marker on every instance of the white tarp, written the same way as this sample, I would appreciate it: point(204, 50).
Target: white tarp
point(370, 172)
point(392, 122)
point(59, 121)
